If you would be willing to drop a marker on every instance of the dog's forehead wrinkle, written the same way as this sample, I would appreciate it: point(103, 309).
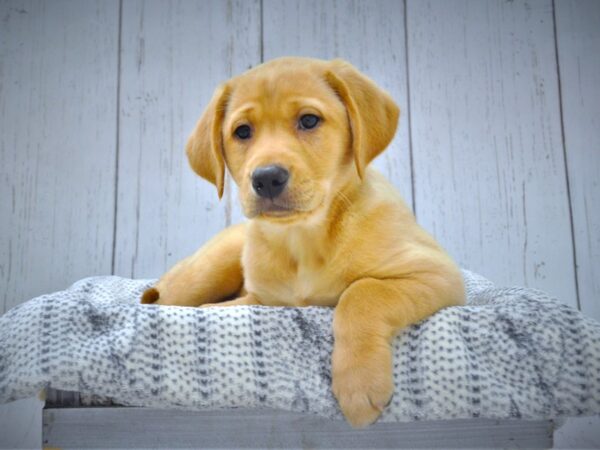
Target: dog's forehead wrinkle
point(243, 110)
point(299, 102)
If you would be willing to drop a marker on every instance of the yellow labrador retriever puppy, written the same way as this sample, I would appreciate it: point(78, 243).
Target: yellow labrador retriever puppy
point(297, 135)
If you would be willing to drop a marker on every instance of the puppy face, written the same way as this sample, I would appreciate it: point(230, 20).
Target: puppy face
point(289, 124)
point(292, 132)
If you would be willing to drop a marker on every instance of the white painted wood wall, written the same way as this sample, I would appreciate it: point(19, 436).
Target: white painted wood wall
point(498, 149)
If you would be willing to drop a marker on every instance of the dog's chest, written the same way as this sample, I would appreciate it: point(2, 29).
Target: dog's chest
point(307, 286)
point(294, 279)
point(314, 286)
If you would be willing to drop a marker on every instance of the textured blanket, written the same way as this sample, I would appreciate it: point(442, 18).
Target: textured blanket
point(510, 353)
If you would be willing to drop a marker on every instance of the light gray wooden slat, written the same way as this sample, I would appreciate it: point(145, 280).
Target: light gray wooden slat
point(370, 35)
point(57, 144)
point(578, 46)
point(143, 427)
point(173, 55)
point(578, 432)
point(58, 82)
point(488, 162)
point(578, 39)
point(21, 424)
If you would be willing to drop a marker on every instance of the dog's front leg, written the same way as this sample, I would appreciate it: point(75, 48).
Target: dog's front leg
point(368, 316)
point(211, 274)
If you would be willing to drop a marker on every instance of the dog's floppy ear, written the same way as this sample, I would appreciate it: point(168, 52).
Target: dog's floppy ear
point(204, 147)
point(372, 112)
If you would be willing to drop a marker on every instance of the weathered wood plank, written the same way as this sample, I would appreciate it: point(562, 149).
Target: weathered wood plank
point(58, 79)
point(578, 432)
point(578, 47)
point(489, 170)
point(173, 55)
point(578, 43)
point(370, 35)
point(21, 423)
point(57, 144)
point(144, 427)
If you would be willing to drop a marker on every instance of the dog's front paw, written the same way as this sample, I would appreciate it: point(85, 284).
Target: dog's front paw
point(362, 381)
point(150, 295)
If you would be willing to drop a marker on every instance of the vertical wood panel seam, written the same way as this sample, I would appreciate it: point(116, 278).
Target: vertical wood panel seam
point(117, 138)
point(408, 113)
point(262, 31)
point(564, 149)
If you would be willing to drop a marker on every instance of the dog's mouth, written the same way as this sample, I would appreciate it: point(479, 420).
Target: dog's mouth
point(280, 211)
point(273, 208)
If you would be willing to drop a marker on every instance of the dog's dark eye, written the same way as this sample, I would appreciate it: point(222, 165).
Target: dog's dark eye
point(308, 121)
point(243, 132)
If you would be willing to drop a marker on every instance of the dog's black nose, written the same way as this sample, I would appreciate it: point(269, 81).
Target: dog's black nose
point(269, 181)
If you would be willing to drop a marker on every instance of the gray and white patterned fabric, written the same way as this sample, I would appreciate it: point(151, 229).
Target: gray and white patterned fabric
point(510, 353)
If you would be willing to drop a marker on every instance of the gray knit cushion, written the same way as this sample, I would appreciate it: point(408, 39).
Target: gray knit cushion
point(510, 353)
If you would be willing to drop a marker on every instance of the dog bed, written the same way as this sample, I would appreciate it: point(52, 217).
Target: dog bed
point(509, 353)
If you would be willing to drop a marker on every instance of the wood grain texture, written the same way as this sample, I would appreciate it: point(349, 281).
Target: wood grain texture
point(578, 47)
point(241, 428)
point(21, 423)
point(58, 76)
point(173, 55)
point(578, 43)
point(489, 170)
point(57, 144)
point(578, 433)
point(370, 35)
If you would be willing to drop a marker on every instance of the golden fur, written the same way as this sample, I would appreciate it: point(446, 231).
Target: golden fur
point(339, 235)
